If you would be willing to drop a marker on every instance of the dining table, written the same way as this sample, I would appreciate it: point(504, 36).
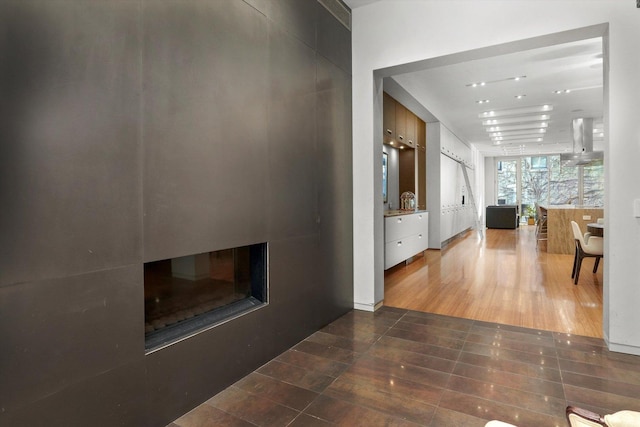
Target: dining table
point(596, 229)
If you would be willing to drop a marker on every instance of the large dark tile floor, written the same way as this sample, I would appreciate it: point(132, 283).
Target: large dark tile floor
point(407, 368)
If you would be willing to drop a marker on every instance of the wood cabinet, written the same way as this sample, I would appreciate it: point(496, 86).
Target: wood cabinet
point(404, 237)
point(388, 118)
point(406, 171)
point(401, 123)
point(411, 127)
point(405, 131)
point(400, 126)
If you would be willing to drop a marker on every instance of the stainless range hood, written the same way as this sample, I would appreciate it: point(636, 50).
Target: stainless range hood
point(583, 154)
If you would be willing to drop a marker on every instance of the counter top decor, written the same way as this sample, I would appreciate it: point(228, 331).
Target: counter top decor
point(397, 212)
point(407, 201)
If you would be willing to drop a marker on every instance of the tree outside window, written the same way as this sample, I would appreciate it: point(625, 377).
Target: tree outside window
point(546, 181)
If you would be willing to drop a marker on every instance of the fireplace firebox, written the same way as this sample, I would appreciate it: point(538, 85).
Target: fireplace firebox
point(186, 295)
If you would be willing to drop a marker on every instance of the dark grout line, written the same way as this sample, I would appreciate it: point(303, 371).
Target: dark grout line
point(514, 371)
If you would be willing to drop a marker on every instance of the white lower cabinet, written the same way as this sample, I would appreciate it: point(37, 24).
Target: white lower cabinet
point(404, 237)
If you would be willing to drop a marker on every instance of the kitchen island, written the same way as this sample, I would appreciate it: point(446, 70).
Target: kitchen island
point(560, 238)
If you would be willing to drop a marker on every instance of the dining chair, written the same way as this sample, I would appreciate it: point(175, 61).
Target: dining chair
point(590, 249)
point(579, 417)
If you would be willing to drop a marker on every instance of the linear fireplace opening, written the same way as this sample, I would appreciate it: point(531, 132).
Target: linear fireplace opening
point(189, 294)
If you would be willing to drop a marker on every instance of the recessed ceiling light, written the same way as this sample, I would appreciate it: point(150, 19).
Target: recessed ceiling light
point(558, 92)
point(486, 82)
point(532, 137)
point(520, 119)
point(516, 140)
point(517, 127)
point(526, 132)
point(514, 111)
point(519, 96)
point(482, 101)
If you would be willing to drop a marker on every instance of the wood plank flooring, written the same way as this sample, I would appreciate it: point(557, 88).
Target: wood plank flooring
point(502, 278)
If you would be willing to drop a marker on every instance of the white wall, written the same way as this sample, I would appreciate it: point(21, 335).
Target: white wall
point(433, 29)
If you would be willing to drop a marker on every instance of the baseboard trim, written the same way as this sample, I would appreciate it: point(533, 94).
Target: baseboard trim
point(622, 348)
point(454, 237)
point(367, 307)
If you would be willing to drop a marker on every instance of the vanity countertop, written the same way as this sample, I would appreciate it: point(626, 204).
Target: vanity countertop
point(397, 212)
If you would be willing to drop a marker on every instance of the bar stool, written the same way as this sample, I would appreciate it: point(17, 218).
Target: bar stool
point(541, 223)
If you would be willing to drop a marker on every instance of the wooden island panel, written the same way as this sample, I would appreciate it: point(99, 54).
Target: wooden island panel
point(560, 236)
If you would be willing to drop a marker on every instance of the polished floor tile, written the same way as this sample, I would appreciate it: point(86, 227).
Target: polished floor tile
point(403, 368)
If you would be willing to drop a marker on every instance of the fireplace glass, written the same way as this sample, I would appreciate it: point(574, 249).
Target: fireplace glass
point(185, 295)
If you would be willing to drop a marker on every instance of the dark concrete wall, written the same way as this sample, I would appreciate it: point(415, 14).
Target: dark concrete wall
point(141, 130)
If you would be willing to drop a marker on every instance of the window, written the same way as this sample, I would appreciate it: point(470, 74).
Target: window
point(507, 181)
point(535, 181)
point(538, 162)
point(593, 184)
point(546, 181)
point(563, 183)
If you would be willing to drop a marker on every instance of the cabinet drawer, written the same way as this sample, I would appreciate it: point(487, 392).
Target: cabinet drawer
point(397, 227)
point(401, 249)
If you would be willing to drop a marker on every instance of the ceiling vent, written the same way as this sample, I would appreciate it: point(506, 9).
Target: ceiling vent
point(338, 9)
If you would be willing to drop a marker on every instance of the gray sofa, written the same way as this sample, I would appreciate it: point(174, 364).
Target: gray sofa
point(502, 216)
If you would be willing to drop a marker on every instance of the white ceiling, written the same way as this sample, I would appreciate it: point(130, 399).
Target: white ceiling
point(576, 66)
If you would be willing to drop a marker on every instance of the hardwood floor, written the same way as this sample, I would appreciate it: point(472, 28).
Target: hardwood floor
point(502, 278)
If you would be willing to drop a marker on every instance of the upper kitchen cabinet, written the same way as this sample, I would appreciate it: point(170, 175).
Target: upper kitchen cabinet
point(411, 129)
point(400, 125)
point(405, 132)
point(389, 118)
